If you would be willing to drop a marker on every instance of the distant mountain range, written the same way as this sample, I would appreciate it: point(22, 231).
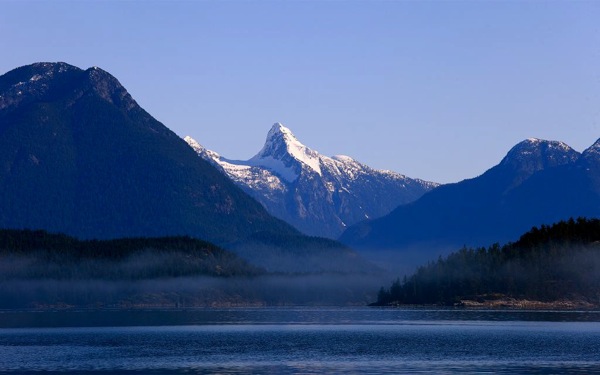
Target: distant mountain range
point(317, 194)
point(538, 182)
point(79, 156)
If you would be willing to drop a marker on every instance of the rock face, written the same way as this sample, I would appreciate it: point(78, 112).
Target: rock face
point(317, 194)
point(78, 155)
point(538, 182)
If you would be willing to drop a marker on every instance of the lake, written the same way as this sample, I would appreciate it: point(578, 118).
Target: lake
point(300, 341)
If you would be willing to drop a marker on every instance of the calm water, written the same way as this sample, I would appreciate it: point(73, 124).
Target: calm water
point(300, 341)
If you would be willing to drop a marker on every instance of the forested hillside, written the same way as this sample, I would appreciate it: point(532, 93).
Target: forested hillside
point(549, 263)
point(43, 270)
point(79, 156)
point(27, 254)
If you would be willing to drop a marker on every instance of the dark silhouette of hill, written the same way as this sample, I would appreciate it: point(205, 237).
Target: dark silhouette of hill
point(537, 182)
point(79, 156)
point(30, 255)
point(550, 263)
point(43, 270)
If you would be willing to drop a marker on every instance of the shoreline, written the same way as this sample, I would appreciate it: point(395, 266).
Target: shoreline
point(507, 303)
point(525, 304)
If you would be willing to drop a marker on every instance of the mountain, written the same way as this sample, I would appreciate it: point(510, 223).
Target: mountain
point(79, 156)
point(317, 194)
point(537, 182)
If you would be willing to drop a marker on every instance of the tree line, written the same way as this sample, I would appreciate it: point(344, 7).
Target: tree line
point(549, 263)
point(36, 254)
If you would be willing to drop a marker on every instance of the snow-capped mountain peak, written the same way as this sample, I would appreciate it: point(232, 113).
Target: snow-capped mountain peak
point(319, 195)
point(280, 151)
point(593, 150)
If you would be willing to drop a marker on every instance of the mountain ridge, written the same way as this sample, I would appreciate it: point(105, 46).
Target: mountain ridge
point(317, 194)
point(79, 156)
point(536, 182)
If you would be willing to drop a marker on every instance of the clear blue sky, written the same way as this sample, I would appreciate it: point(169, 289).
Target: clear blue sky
point(436, 90)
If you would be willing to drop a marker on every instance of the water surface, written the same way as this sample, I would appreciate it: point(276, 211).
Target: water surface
point(300, 341)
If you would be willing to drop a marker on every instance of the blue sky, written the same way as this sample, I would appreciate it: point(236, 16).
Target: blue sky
point(435, 90)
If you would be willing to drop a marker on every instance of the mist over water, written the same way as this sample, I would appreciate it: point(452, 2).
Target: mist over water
point(150, 277)
point(193, 291)
point(403, 262)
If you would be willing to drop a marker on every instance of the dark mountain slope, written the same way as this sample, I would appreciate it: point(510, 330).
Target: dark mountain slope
point(537, 182)
point(79, 156)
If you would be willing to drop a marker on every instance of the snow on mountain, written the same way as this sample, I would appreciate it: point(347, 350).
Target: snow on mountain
point(319, 195)
point(533, 155)
point(538, 150)
point(593, 152)
point(280, 147)
point(39, 81)
point(30, 83)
